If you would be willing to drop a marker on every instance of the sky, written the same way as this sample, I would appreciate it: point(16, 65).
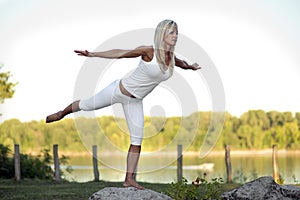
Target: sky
point(253, 44)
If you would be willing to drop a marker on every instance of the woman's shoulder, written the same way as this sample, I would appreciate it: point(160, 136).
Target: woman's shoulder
point(147, 49)
point(147, 52)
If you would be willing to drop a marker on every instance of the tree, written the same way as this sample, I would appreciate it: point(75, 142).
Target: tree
point(6, 87)
point(276, 118)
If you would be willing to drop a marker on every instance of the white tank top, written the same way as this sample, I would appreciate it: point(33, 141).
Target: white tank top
point(145, 78)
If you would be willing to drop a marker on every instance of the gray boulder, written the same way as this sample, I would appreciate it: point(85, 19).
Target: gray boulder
point(264, 188)
point(114, 193)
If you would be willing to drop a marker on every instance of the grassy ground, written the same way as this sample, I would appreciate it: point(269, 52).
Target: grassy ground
point(41, 189)
point(50, 190)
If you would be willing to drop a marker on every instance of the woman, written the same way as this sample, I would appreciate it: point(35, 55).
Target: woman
point(156, 65)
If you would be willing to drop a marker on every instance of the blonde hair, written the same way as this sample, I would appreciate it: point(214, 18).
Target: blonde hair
point(162, 27)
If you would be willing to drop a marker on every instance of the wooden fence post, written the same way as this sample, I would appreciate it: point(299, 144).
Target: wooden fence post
point(275, 164)
point(228, 164)
point(179, 162)
point(56, 163)
point(17, 162)
point(95, 163)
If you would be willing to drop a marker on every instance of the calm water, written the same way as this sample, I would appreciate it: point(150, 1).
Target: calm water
point(154, 169)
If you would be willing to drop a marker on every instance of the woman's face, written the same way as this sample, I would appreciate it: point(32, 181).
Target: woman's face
point(170, 37)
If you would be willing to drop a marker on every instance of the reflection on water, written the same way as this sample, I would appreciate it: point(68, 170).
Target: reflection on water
point(244, 168)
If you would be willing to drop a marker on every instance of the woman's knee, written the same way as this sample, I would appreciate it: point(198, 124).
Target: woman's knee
point(136, 141)
point(136, 131)
point(86, 105)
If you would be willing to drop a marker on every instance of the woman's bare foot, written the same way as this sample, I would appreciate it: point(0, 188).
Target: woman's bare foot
point(54, 117)
point(131, 183)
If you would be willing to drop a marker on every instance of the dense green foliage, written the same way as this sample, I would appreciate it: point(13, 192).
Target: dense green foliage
point(6, 87)
point(255, 129)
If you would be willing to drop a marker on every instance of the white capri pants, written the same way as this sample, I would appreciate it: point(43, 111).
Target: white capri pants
point(132, 107)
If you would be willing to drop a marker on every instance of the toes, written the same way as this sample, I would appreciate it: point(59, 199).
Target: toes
point(133, 184)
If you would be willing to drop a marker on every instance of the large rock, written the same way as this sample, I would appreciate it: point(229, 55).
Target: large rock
point(263, 188)
point(114, 193)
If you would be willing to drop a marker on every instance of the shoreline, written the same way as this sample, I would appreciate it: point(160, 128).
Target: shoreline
point(247, 152)
point(187, 153)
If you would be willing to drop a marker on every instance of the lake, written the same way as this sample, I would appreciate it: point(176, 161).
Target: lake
point(163, 169)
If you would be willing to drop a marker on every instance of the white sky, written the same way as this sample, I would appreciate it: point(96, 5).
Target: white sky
point(254, 45)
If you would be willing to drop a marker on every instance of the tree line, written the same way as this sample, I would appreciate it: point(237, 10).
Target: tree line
point(255, 129)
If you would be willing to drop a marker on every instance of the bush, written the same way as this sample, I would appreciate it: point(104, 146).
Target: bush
point(200, 189)
point(31, 167)
point(36, 167)
point(6, 163)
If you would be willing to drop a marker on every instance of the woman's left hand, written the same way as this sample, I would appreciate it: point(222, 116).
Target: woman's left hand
point(195, 66)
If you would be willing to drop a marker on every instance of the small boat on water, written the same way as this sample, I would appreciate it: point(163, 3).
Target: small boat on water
point(203, 167)
point(209, 167)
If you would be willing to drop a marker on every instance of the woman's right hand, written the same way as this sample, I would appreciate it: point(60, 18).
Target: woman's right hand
point(82, 53)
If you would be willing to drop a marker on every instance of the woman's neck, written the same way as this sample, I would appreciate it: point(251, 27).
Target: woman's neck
point(167, 57)
point(167, 47)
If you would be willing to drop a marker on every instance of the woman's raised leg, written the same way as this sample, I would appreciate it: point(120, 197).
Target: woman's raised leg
point(100, 100)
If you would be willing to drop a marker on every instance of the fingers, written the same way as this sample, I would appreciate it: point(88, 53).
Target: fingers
point(81, 53)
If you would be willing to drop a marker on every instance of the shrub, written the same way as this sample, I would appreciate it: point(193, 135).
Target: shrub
point(36, 167)
point(200, 189)
point(31, 167)
point(6, 163)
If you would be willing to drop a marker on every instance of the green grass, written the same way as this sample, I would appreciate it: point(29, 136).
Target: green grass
point(51, 190)
point(42, 189)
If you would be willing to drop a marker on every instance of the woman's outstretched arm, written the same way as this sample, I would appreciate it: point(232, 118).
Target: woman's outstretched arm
point(184, 65)
point(117, 53)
